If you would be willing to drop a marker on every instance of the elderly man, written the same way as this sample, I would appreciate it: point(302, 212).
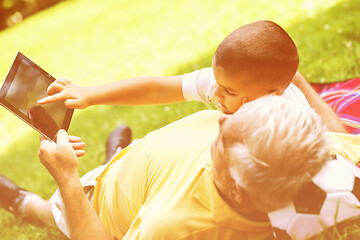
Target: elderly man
point(177, 183)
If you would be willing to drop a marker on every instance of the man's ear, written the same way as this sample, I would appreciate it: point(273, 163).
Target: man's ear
point(237, 194)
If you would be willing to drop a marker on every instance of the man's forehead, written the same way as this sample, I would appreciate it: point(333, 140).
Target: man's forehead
point(230, 131)
point(238, 116)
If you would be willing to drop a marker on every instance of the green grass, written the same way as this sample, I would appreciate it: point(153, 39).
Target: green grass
point(93, 43)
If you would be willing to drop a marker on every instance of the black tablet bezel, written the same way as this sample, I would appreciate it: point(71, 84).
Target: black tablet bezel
point(7, 83)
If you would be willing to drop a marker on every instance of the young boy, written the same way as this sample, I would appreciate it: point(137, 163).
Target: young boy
point(255, 60)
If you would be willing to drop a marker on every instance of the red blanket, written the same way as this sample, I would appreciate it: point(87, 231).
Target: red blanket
point(344, 98)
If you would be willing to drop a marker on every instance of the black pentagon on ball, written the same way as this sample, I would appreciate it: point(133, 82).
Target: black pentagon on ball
point(281, 234)
point(310, 199)
point(356, 188)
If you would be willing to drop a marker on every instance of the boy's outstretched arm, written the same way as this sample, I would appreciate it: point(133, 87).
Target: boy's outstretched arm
point(135, 91)
point(326, 113)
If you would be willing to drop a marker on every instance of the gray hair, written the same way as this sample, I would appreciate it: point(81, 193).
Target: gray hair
point(281, 146)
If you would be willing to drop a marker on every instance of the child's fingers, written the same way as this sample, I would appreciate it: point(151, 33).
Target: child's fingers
point(55, 88)
point(63, 81)
point(53, 98)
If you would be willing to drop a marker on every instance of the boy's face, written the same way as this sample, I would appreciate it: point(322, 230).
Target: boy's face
point(232, 92)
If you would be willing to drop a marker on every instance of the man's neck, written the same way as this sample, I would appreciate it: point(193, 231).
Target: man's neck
point(245, 210)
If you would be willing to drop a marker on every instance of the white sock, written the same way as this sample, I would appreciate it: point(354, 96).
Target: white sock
point(116, 153)
point(28, 197)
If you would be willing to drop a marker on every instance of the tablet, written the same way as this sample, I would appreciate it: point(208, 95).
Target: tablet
point(24, 85)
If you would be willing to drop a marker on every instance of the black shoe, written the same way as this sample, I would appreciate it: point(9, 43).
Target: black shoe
point(119, 138)
point(10, 195)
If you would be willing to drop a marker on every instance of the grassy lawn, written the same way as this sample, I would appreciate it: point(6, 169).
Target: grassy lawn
point(92, 43)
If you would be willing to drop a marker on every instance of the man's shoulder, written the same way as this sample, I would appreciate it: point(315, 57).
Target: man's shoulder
point(200, 213)
point(205, 118)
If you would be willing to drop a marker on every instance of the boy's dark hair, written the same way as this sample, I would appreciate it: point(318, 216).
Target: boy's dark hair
point(259, 51)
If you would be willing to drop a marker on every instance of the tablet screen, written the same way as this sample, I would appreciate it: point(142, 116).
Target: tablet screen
point(24, 85)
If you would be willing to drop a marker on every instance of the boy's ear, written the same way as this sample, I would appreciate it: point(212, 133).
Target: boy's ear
point(244, 100)
point(277, 93)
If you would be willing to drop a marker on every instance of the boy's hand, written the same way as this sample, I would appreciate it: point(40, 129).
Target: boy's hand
point(74, 96)
point(60, 158)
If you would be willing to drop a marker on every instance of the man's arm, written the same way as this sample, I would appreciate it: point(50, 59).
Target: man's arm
point(326, 113)
point(60, 159)
point(135, 91)
point(83, 222)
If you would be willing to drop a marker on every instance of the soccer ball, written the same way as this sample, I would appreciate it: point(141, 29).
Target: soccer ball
point(332, 197)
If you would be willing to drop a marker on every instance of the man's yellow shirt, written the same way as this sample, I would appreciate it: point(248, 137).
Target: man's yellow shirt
point(161, 187)
point(346, 145)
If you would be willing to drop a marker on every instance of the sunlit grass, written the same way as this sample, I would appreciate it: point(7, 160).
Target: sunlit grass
point(93, 42)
